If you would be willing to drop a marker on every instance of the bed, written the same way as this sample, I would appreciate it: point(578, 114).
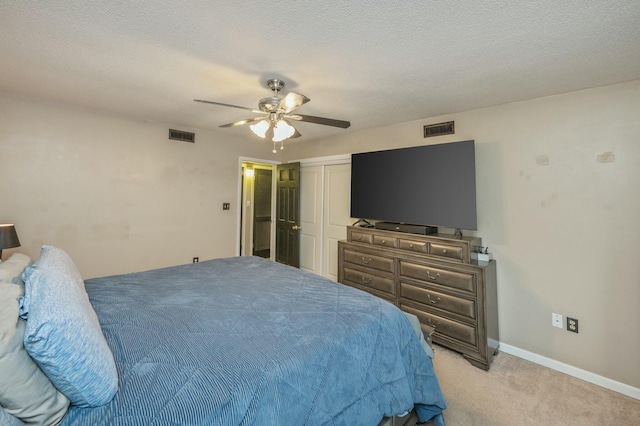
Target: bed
point(247, 341)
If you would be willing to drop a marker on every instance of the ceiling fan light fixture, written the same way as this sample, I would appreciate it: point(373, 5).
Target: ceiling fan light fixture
point(282, 131)
point(260, 128)
point(275, 113)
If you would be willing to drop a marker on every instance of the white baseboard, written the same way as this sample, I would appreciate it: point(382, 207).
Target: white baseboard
point(587, 376)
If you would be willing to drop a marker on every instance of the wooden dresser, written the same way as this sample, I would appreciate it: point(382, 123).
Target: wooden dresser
point(432, 277)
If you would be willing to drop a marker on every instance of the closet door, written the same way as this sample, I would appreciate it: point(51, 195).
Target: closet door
point(325, 204)
point(311, 219)
point(336, 215)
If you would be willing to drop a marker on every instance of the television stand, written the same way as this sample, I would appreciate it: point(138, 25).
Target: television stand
point(432, 277)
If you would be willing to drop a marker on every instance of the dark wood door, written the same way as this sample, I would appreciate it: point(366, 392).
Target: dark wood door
point(288, 214)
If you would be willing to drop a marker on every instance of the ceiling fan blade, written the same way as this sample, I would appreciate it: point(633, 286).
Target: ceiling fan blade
point(296, 134)
point(320, 120)
point(228, 105)
point(242, 122)
point(292, 101)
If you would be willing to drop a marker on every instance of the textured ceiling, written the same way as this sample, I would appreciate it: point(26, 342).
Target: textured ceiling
point(373, 63)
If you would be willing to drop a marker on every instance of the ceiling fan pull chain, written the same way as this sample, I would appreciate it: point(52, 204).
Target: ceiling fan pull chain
point(274, 148)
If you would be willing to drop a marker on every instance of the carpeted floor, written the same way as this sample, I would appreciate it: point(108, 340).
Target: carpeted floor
point(518, 392)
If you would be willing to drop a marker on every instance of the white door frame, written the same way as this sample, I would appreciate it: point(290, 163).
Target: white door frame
point(240, 201)
point(324, 161)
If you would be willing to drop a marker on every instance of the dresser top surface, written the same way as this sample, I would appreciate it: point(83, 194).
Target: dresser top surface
point(441, 236)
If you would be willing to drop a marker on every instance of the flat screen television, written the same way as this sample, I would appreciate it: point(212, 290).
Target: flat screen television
point(433, 185)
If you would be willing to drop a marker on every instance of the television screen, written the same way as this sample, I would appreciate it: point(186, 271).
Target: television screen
point(431, 185)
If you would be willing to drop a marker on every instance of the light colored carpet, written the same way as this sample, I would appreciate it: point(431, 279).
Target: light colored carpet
point(518, 392)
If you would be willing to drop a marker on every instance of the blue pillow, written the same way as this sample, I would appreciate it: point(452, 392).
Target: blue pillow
point(63, 334)
point(7, 419)
point(53, 257)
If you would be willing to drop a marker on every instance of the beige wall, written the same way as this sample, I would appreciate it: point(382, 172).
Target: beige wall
point(117, 194)
point(559, 212)
point(558, 193)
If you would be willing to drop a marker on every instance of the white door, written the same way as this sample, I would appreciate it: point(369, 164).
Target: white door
point(336, 217)
point(311, 219)
point(325, 197)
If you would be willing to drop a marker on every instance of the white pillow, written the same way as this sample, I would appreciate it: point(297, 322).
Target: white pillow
point(25, 392)
point(9, 294)
point(11, 270)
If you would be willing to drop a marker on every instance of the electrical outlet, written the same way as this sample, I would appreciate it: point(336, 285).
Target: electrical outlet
point(197, 259)
point(572, 324)
point(556, 320)
point(226, 206)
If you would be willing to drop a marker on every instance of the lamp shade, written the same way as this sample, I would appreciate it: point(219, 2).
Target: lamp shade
point(8, 236)
point(260, 128)
point(282, 131)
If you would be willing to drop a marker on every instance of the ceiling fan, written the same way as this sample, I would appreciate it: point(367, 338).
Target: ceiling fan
point(275, 115)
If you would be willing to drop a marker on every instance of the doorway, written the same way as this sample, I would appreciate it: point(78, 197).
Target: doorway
point(269, 219)
point(257, 210)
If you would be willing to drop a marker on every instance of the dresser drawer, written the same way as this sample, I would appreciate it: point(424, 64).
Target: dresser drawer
point(456, 305)
point(381, 240)
point(416, 246)
point(446, 250)
point(361, 237)
point(369, 280)
point(459, 280)
point(369, 260)
point(455, 330)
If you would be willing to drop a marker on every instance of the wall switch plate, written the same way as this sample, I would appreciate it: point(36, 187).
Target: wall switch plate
point(572, 324)
point(556, 320)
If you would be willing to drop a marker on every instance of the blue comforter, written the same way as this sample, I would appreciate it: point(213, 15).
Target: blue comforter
point(246, 341)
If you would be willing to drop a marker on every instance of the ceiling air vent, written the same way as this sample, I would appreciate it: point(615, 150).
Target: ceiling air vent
point(180, 135)
point(439, 129)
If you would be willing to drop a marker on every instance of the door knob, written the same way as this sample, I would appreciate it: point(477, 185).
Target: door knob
point(296, 227)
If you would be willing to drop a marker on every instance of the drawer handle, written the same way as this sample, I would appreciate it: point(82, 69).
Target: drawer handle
point(434, 326)
point(444, 250)
point(431, 300)
point(384, 242)
point(366, 281)
point(359, 237)
point(433, 277)
point(366, 261)
point(410, 245)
